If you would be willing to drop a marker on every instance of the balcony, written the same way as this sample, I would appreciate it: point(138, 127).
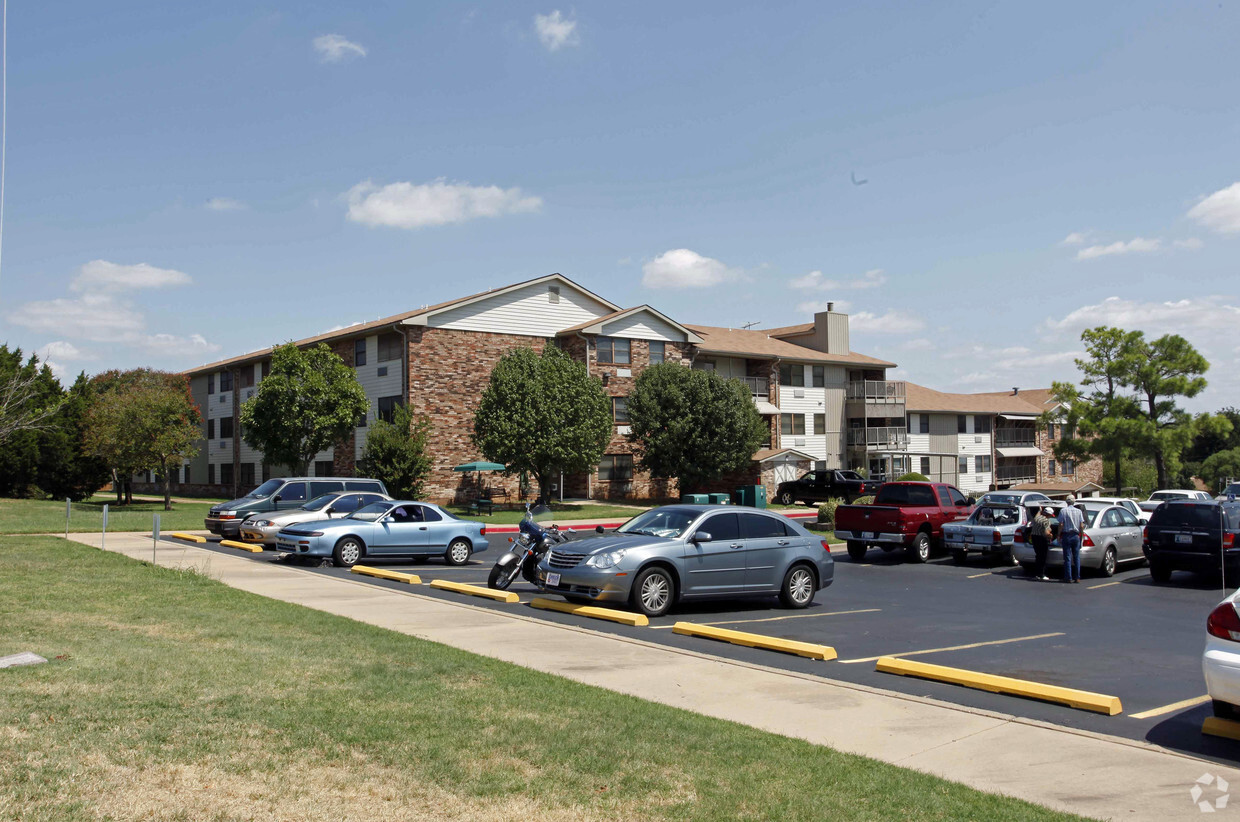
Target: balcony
point(874, 398)
point(758, 386)
point(1013, 474)
point(889, 438)
point(1015, 437)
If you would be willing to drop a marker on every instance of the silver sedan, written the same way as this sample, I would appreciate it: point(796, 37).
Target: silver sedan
point(263, 527)
point(1112, 536)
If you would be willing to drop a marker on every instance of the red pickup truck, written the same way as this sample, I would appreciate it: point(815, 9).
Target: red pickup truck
point(903, 514)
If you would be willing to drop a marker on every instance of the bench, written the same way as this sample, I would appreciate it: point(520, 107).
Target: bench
point(497, 494)
point(478, 505)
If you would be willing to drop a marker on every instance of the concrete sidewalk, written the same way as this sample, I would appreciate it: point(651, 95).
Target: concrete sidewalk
point(1100, 776)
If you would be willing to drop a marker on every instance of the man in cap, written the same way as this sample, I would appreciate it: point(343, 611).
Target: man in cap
point(1040, 536)
point(1071, 529)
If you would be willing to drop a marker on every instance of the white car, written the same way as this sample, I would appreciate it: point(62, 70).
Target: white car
point(1159, 497)
point(1221, 661)
point(1129, 505)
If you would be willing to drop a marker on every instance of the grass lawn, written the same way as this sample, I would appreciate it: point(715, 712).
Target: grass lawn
point(29, 516)
point(172, 697)
point(559, 512)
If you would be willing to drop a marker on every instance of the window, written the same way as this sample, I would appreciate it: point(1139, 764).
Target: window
point(266, 369)
point(1069, 467)
point(981, 424)
point(658, 352)
point(319, 488)
point(721, 527)
point(247, 376)
point(323, 468)
point(1050, 430)
point(210, 383)
point(790, 374)
point(792, 425)
point(616, 468)
point(226, 381)
point(346, 504)
point(760, 526)
point(945, 499)
point(820, 376)
point(210, 475)
point(820, 423)
point(962, 423)
point(226, 428)
point(266, 471)
point(613, 350)
point(925, 466)
point(362, 485)
point(553, 293)
point(389, 346)
point(226, 474)
point(923, 423)
point(247, 475)
point(387, 407)
point(187, 480)
point(1111, 519)
point(957, 497)
point(293, 492)
point(359, 352)
point(983, 463)
point(210, 429)
point(361, 419)
point(964, 465)
point(1050, 468)
point(620, 410)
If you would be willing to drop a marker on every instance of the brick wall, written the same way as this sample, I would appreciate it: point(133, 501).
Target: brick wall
point(344, 455)
point(1087, 471)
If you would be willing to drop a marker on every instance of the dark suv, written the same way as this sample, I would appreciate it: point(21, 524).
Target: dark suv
point(1193, 535)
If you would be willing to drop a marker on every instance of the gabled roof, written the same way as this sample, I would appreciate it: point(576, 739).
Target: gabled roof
point(765, 454)
point(595, 326)
point(415, 317)
point(760, 344)
point(791, 330)
point(919, 398)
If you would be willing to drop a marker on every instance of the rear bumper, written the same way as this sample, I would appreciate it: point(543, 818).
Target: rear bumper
point(1193, 560)
point(874, 537)
point(1220, 664)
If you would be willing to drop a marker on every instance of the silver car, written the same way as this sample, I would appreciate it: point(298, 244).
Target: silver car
point(1112, 536)
point(264, 527)
point(685, 552)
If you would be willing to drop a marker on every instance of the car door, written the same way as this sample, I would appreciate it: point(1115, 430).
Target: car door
point(400, 532)
point(435, 531)
point(292, 495)
point(718, 566)
point(1131, 540)
point(769, 546)
point(344, 505)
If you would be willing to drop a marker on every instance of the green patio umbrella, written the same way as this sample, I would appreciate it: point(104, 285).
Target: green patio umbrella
point(479, 466)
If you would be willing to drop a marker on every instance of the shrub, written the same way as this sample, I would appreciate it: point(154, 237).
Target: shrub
point(826, 510)
point(866, 500)
point(913, 476)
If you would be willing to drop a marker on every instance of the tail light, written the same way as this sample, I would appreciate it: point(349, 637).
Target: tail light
point(1019, 536)
point(1086, 542)
point(482, 532)
point(1224, 623)
point(996, 537)
point(1229, 541)
point(826, 546)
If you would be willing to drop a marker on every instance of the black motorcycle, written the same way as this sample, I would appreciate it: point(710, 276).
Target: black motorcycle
point(532, 542)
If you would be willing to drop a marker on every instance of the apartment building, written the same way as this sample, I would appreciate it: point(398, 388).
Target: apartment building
point(825, 404)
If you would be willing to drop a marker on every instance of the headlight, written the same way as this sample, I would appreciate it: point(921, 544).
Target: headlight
point(261, 523)
point(227, 515)
point(607, 560)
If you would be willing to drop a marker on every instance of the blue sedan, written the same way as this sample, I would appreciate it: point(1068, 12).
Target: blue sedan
point(391, 528)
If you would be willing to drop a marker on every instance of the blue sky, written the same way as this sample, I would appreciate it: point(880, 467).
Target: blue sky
point(187, 183)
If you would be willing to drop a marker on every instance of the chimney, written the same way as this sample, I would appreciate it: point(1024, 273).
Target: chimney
point(1015, 390)
point(830, 306)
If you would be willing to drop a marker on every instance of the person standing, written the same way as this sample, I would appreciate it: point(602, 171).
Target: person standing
point(1040, 536)
point(1071, 529)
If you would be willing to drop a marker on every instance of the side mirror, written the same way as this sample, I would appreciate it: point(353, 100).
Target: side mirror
point(276, 498)
point(388, 518)
point(330, 510)
point(970, 501)
point(703, 536)
point(599, 528)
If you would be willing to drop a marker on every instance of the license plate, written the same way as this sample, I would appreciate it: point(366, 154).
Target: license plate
point(869, 534)
point(553, 579)
point(1184, 539)
point(967, 538)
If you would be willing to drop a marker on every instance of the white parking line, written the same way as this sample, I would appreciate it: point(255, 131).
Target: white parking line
point(1174, 706)
point(987, 574)
point(954, 647)
point(776, 619)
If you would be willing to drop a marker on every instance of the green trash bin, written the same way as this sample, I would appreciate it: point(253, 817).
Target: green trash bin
point(695, 499)
point(743, 495)
point(759, 496)
point(719, 499)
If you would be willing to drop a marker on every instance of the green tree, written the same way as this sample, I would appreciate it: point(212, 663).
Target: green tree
point(1221, 466)
point(1100, 420)
point(309, 402)
point(395, 452)
point(693, 425)
point(66, 469)
point(30, 398)
point(543, 415)
point(1166, 369)
point(144, 420)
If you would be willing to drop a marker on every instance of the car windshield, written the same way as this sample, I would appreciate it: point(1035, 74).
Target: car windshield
point(661, 522)
point(266, 489)
point(850, 475)
point(1005, 499)
point(371, 512)
point(320, 502)
point(895, 494)
point(1164, 495)
point(996, 515)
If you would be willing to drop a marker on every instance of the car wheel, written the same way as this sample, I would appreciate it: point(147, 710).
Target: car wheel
point(856, 550)
point(1107, 568)
point(798, 588)
point(960, 557)
point(458, 552)
point(1159, 572)
point(919, 551)
point(347, 552)
point(653, 592)
point(785, 498)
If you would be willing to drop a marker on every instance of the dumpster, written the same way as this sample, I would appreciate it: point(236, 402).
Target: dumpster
point(752, 495)
point(719, 499)
point(695, 499)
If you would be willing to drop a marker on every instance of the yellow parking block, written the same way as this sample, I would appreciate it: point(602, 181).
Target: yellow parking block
point(623, 617)
point(383, 573)
point(475, 590)
point(189, 537)
point(769, 643)
point(1084, 700)
point(1226, 728)
point(244, 546)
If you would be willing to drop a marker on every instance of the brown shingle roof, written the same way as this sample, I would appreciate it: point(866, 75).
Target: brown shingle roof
point(920, 398)
point(761, 344)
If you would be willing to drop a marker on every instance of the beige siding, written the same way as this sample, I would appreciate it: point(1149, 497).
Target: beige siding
point(527, 312)
point(644, 326)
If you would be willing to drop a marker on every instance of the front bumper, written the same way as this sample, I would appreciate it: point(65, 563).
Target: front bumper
point(265, 535)
point(224, 527)
point(874, 537)
point(303, 546)
point(610, 585)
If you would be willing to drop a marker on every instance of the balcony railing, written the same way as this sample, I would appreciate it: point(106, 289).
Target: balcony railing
point(758, 386)
point(1016, 473)
point(1015, 437)
point(876, 391)
point(893, 438)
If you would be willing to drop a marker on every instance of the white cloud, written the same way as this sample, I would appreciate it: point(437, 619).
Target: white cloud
point(555, 31)
point(1191, 244)
point(171, 345)
point(101, 275)
point(335, 48)
point(406, 205)
point(895, 321)
point(1138, 245)
point(1220, 211)
point(94, 317)
point(225, 204)
point(682, 268)
point(62, 350)
point(1075, 238)
point(919, 344)
point(814, 281)
point(1183, 317)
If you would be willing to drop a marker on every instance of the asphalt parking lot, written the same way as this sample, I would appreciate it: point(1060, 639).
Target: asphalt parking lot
point(1123, 636)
